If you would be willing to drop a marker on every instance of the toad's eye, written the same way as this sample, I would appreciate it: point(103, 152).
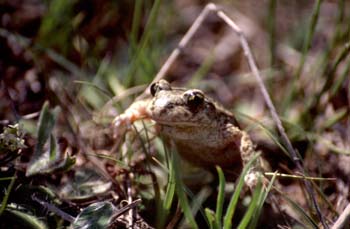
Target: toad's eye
point(154, 88)
point(194, 98)
point(158, 86)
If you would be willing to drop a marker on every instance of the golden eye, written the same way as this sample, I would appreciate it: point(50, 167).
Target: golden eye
point(194, 98)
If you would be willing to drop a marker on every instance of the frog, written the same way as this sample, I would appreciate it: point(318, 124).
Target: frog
point(200, 129)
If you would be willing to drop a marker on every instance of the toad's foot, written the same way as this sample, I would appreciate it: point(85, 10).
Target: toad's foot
point(123, 122)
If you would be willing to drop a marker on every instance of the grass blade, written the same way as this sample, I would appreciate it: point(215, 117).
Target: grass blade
point(6, 197)
point(310, 223)
point(213, 223)
point(181, 193)
point(169, 195)
point(258, 192)
point(234, 199)
point(306, 46)
point(25, 219)
point(261, 202)
point(220, 198)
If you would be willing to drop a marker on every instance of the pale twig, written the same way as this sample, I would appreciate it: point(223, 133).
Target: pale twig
point(186, 38)
point(343, 218)
point(183, 42)
point(126, 93)
point(269, 103)
point(299, 177)
point(131, 212)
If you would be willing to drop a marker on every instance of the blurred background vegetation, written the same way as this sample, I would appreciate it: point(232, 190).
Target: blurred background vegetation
point(77, 64)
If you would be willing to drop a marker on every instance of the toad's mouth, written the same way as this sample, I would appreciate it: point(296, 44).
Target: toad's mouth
point(180, 123)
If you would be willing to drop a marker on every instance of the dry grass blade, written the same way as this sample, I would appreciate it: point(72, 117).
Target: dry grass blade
point(126, 208)
point(54, 209)
point(343, 219)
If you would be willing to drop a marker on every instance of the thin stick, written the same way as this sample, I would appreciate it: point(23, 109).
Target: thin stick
point(182, 44)
point(132, 210)
point(54, 209)
point(343, 218)
point(187, 37)
point(299, 177)
point(269, 104)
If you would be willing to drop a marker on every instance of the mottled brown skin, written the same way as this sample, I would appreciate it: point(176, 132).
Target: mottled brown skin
point(201, 130)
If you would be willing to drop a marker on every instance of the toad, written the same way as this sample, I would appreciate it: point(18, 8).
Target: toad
point(202, 131)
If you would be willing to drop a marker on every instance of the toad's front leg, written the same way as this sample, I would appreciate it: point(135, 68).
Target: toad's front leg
point(137, 110)
point(247, 151)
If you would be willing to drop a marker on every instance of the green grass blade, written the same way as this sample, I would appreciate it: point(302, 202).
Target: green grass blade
point(169, 195)
point(6, 178)
point(310, 223)
point(271, 29)
point(334, 119)
point(258, 192)
point(344, 52)
point(261, 202)
point(56, 57)
point(234, 199)
point(338, 83)
point(202, 71)
point(26, 220)
point(213, 223)
point(267, 131)
point(198, 200)
point(46, 123)
point(99, 89)
point(220, 198)
point(136, 21)
point(136, 62)
point(309, 36)
point(6, 197)
point(120, 163)
point(181, 194)
point(306, 46)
